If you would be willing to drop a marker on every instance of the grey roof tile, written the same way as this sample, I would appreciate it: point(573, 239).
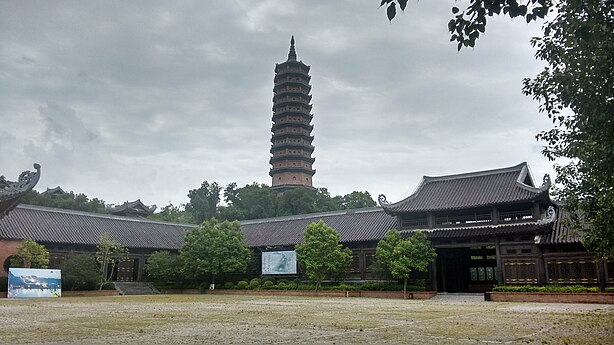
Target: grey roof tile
point(50, 225)
point(482, 188)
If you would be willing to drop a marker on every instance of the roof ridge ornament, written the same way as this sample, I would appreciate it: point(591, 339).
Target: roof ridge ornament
point(547, 183)
point(12, 192)
point(549, 216)
point(381, 199)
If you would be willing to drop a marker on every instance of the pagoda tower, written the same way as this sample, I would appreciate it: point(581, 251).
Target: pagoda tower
point(291, 164)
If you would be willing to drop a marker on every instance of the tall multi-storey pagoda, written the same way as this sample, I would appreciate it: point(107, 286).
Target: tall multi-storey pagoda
point(291, 141)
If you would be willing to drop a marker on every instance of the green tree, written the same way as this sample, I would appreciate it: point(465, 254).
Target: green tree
point(324, 202)
point(467, 25)
point(30, 254)
point(403, 256)
point(172, 213)
point(321, 253)
point(358, 200)
point(253, 201)
point(79, 272)
point(298, 200)
point(204, 201)
point(214, 248)
point(164, 267)
point(576, 91)
point(70, 201)
point(109, 253)
point(384, 252)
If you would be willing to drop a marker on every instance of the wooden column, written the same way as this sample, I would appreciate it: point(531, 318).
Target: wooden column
point(500, 278)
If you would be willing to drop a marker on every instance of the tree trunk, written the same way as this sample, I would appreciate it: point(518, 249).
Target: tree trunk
point(601, 276)
point(404, 288)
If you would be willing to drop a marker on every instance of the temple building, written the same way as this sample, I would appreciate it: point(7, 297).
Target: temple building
point(493, 227)
point(292, 163)
point(132, 209)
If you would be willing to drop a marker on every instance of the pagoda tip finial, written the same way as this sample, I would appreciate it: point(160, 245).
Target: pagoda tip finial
point(292, 53)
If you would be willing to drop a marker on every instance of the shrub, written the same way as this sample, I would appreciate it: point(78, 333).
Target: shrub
point(229, 285)
point(610, 289)
point(242, 285)
point(108, 286)
point(547, 288)
point(282, 286)
point(79, 272)
point(268, 284)
point(254, 284)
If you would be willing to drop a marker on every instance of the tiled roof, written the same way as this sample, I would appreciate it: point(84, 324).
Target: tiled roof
point(50, 225)
point(485, 230)
point(561, 233)
point(368, 224)
point(482, 188)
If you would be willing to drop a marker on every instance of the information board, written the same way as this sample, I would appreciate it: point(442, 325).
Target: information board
point(279, 262)
point(34, 282)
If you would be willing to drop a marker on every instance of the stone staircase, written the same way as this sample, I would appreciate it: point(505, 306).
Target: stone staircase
point(136, 288)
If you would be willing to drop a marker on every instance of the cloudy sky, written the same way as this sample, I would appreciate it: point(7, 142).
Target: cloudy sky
point(125, 100)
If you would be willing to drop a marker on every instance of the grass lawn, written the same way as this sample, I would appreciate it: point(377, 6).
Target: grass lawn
point(241, 319)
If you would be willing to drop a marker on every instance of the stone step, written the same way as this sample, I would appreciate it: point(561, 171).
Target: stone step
point(136, 288)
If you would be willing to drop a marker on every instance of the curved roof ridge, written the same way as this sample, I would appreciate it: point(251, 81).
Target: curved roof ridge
point(426, 179)
point(311, 215)
point(517, 167)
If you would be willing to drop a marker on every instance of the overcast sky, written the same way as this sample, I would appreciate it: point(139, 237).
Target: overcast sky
point(125, 100)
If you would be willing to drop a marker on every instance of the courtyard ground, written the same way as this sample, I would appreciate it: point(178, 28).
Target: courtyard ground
point(241, 319)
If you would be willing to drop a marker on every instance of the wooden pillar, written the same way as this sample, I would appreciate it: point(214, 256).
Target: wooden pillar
point(433, 270)
point(541, 266)
point(495, 215)
point(500, 278)
point(536, 211)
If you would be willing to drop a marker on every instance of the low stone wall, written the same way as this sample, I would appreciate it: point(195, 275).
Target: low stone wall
point(180, 291)
point(328, 293)
point(89, 293)
point(551, 297)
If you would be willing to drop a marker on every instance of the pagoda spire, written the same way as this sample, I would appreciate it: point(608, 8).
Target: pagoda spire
point(292, 53)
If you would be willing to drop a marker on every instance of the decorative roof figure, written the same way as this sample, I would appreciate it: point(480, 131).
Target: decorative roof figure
point(11, 192)
point(133, 209)
point(291, 140)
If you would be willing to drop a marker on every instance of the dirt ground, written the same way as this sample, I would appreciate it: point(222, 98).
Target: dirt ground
point(227, 319)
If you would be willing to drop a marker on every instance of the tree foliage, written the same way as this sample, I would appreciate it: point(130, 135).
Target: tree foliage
point(109, 253)
point(467, 25)
point(172, 213)
point(164, 267)
point(69, 201)
point(403, 256)
point(79, 272)
point(576, 91)
point(214, 248)
point(30, 254)
point(204, 201)
point(321, 253)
